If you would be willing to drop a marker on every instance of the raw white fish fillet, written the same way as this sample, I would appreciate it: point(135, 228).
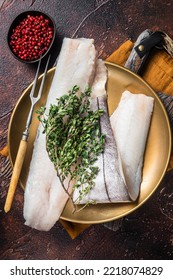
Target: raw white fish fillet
point(44, 197)
point(130, 123)
point(100, 79)
point(109, 183)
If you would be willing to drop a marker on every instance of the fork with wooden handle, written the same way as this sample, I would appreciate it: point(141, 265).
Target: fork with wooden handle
point(24, 141)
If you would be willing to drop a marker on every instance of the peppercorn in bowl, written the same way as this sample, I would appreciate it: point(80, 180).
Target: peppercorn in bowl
point(31, 36)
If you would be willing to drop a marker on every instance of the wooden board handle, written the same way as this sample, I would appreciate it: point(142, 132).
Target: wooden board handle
point(15, 175)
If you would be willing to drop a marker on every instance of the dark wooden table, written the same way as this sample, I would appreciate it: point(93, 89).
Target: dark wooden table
point(146, 233)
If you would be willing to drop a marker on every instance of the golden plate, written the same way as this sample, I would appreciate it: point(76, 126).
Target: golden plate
point(157, 153)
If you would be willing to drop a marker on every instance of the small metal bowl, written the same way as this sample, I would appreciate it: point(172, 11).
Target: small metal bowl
point(18, 20)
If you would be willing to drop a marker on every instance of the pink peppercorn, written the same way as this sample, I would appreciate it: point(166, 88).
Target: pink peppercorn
point(32, 37)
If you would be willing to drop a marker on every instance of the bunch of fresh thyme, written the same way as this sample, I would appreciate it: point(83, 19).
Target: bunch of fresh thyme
point(73, 139)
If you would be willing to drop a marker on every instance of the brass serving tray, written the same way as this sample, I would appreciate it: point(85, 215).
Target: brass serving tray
point(157, 152)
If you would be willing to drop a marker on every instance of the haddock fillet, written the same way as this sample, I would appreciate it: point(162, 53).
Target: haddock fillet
point(44, 197)
point(109, 182)
point(130, 123)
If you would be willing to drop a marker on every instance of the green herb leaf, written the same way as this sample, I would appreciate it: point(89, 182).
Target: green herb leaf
point(73, 139)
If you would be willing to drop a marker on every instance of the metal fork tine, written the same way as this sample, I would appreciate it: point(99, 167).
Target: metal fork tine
point(35, 99)
point(35, 80)
point(43, 79)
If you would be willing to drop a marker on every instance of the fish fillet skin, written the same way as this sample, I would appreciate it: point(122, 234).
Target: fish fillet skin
point(109, 182)
point(44, 197)
point(130, 123)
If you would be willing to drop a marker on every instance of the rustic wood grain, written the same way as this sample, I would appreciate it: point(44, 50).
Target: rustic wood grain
point(148, 232)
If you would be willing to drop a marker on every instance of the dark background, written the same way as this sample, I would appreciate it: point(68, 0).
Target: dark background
point(146, 233)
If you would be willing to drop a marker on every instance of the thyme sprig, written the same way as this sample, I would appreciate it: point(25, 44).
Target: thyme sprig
point(73, 140)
